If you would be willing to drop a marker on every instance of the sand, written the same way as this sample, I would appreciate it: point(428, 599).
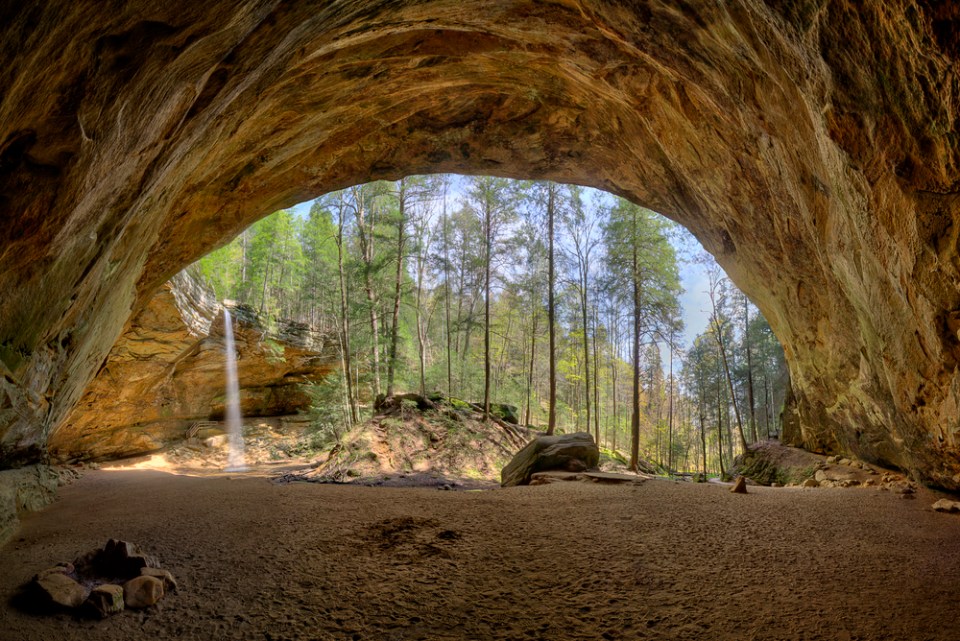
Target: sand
point(568, 561)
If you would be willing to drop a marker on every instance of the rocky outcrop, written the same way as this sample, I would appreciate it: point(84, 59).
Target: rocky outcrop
point(167, 372)
point(24, 490)
point(576, 452)
point(811, 146)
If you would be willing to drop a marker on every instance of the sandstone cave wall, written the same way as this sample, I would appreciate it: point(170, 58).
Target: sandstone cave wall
point(166, 373)
point(811, 146)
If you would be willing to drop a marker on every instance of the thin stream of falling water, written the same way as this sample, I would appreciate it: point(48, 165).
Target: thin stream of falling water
point(236, 461)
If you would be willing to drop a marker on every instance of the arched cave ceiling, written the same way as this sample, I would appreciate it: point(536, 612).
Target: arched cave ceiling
point(811, 146)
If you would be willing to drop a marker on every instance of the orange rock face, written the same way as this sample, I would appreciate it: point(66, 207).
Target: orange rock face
point(811, 146)
point(166, 373)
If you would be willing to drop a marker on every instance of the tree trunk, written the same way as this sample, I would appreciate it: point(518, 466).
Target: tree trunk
point(750, 399)
point(488, 238)
point(398, 285)
point(551, 315)
point(533, 353)
point(446, 290)
point(345, 323)
point(635, 417)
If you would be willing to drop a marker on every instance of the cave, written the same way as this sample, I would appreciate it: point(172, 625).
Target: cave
point(811, 147)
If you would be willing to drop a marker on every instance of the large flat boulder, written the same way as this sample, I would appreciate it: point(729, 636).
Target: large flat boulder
point(575, 452)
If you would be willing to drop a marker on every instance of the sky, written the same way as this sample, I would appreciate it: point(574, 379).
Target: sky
point(694, 301)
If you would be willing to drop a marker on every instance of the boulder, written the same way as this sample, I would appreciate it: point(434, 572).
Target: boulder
point(944, 505)
point(169, 583)
point(567, 452)
point(59, 589)
point(105, 599)
point(142, 591)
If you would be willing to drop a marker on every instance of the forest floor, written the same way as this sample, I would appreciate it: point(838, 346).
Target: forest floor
point(256, 559)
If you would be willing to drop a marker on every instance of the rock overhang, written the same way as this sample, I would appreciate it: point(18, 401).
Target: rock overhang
point(812, 148)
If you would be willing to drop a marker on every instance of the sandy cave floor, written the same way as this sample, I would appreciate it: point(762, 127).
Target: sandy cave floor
point(663, 560)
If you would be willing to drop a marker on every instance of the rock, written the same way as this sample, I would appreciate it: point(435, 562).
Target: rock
point(775, 484)
point(820, 476)
point(24, 490)
point(59, 589)
point(788, 146)
point(739, 486)
point(142, 591)
point(844, 461)
point(810, 483)
point(550, 453)
point(164, 375)
point(832, 459)
point(169, 583)
point(944, 505)
point(105, 599)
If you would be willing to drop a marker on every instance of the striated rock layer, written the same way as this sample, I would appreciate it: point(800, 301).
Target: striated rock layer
point(811, 146)
point(166, 373)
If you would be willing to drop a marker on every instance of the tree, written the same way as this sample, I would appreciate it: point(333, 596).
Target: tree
point(642, 261)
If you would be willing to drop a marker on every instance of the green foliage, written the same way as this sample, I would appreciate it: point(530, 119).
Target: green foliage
point(426, 237)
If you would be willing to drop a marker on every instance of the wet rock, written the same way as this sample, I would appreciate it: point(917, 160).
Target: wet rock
point(60, 589)
point(739, 486)
point(104, 600)
point(944, 505)
point(558, 452)
point(142, 591)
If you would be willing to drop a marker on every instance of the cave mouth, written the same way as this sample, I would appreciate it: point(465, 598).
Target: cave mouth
point(387, 281)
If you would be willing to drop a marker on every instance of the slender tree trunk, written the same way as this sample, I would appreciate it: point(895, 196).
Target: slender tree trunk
point(345, 323)
point(446, 290)
point(398, 284)
point(750, 399)
point(718, 334)
point(635, 418)
point(365, 227)
point(720, 411)
point(586, 346)
point(533, 353)
point(670, 413)
point(488, 240)
point(596, 374)
point(551, 314)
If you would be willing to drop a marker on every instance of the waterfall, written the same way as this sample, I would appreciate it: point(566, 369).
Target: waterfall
point(235, 457)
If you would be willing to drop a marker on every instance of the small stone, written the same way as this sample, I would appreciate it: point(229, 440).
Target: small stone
point(740, 486)
point(849, 483)
point(943, 505)
point(844, 461)
point(868, 483)
point(105, 600)
point(60, 589)
point(142, 591)
point(832, 459)
point(820, 476)
point(810, 483)
point(169, 583)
